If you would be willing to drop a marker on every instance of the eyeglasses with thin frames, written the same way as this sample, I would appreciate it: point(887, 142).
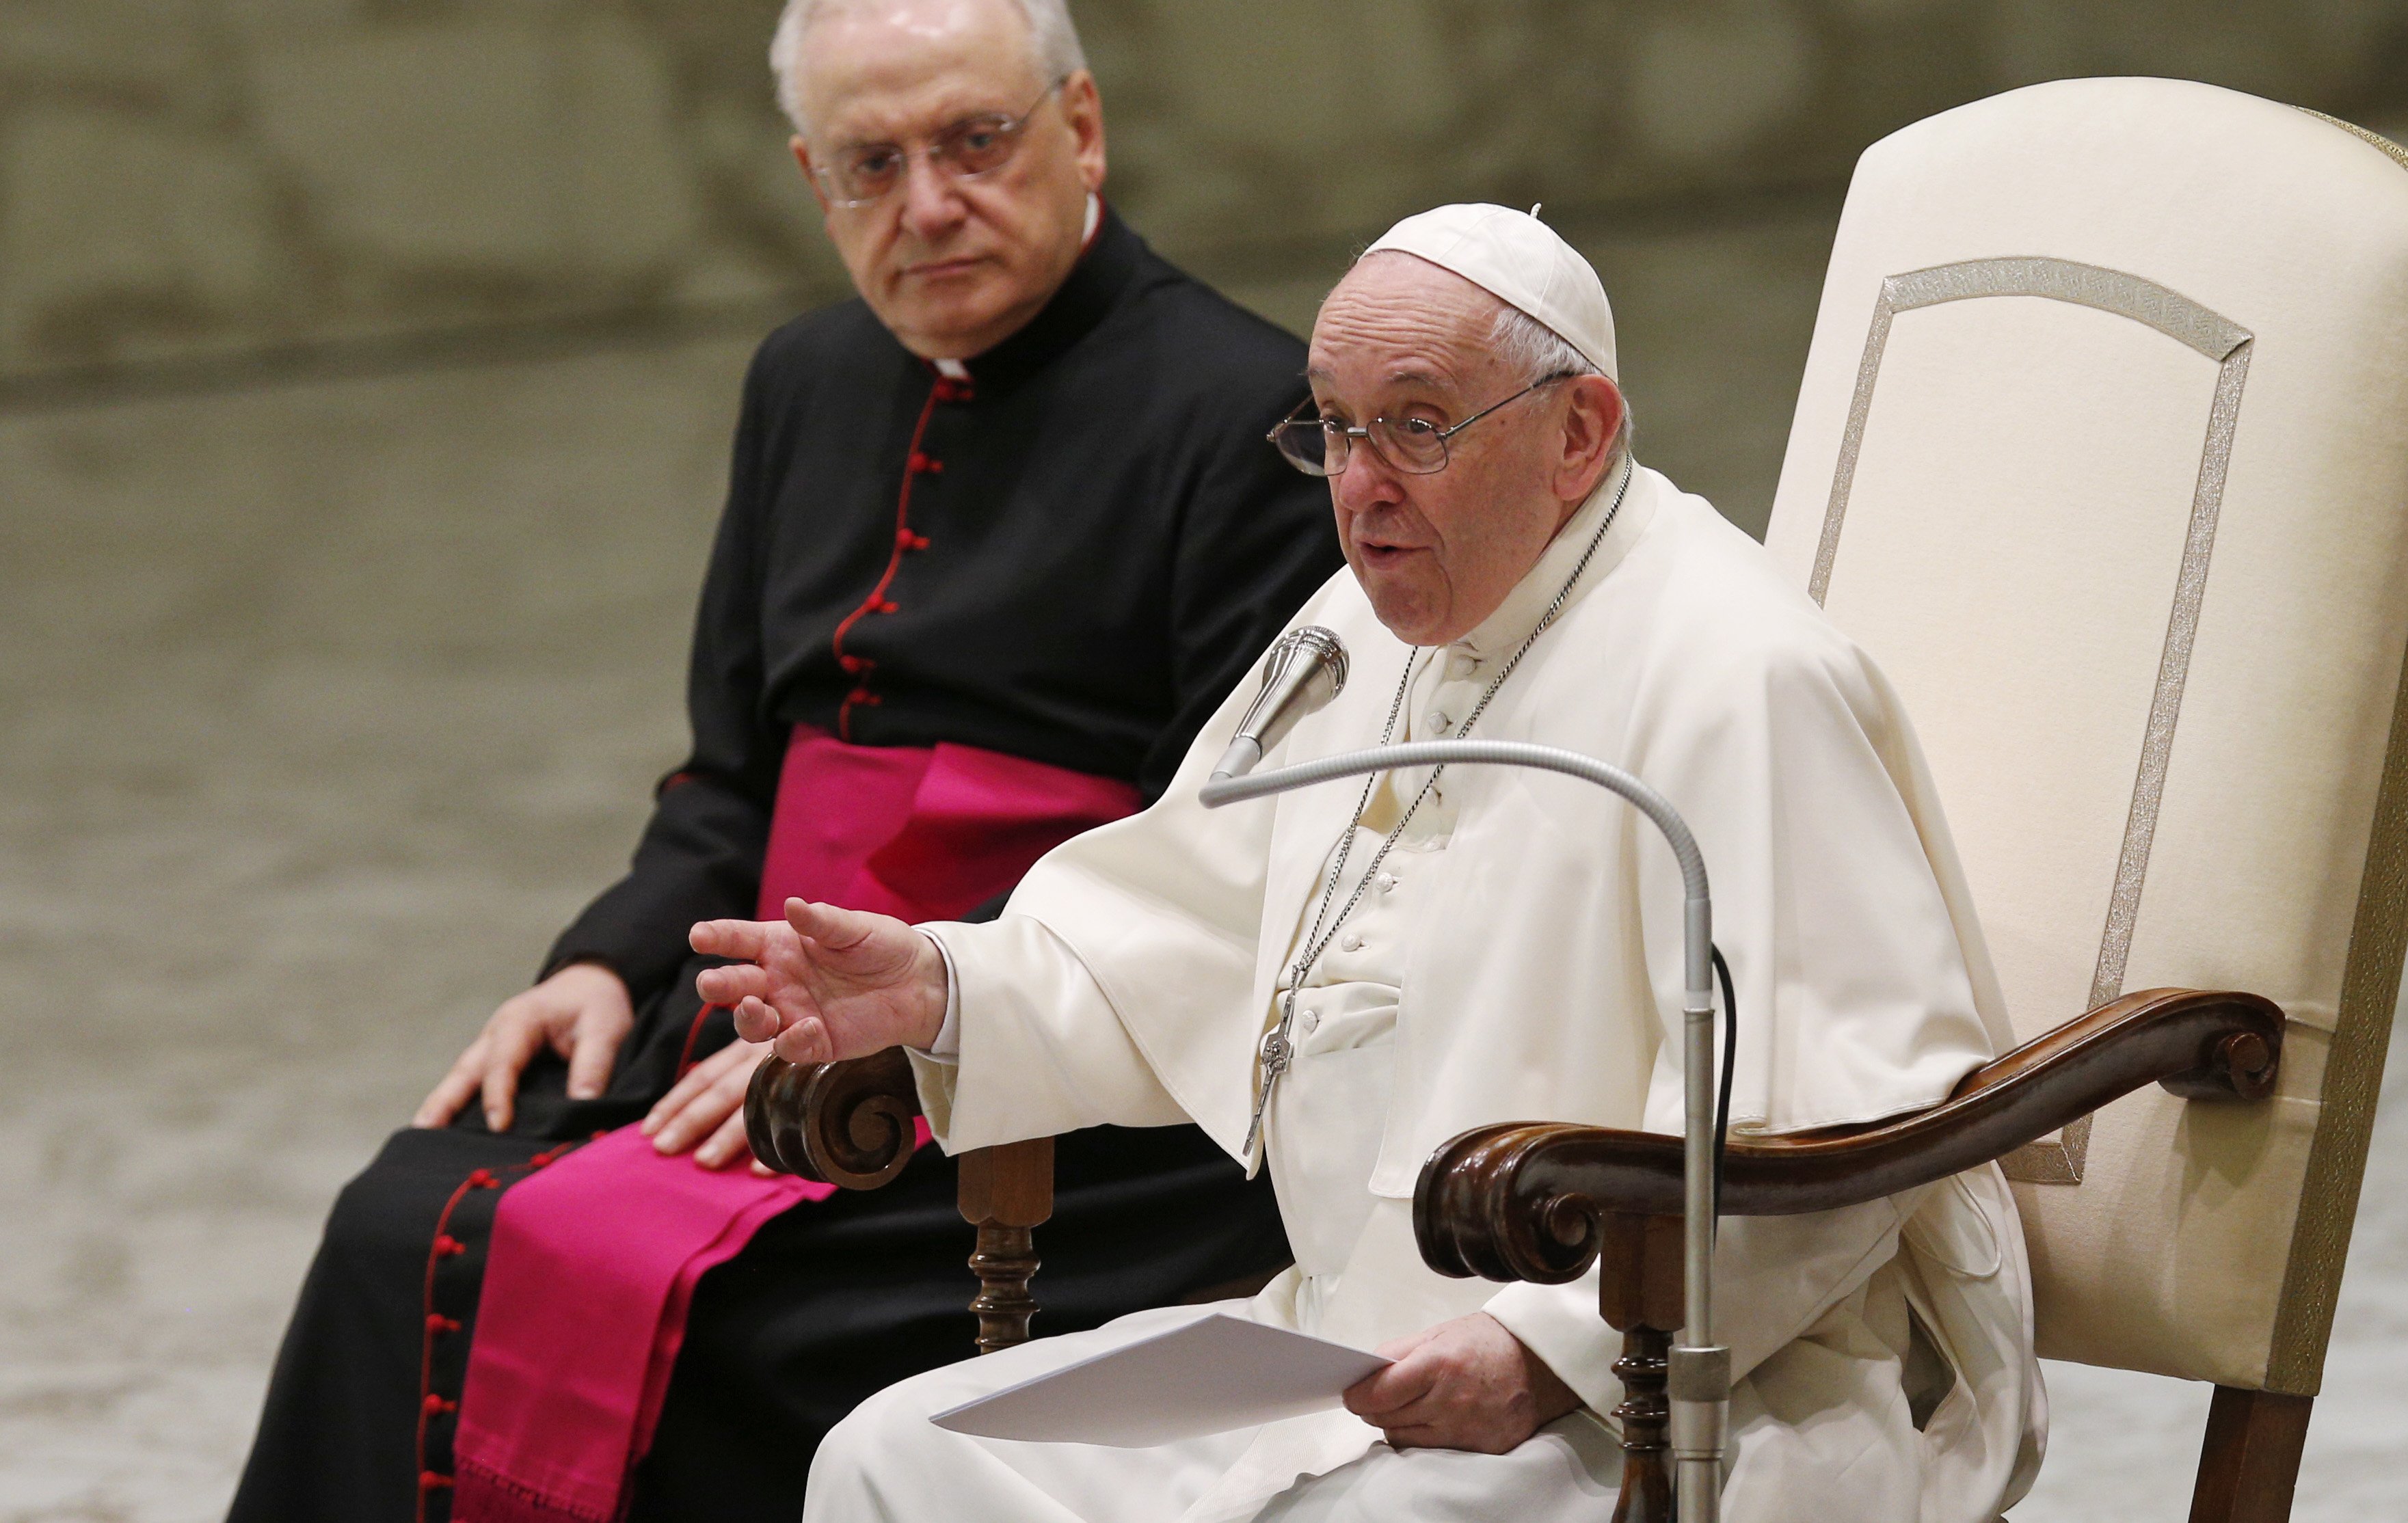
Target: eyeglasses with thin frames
point(863, 174)
point(1319, 446)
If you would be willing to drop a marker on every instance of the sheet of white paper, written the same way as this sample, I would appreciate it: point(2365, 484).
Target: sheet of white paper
point(1206, 1376)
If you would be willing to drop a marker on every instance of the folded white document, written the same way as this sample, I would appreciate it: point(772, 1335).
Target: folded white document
point(1206, 1376)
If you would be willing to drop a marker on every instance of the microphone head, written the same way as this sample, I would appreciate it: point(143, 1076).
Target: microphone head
point(1319, 655)
point(1304, 669)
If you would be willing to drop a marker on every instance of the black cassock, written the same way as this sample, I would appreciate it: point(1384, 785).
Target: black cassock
point(1096, 545)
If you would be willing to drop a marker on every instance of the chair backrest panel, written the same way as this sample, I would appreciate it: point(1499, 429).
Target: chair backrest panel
point(2103, 454)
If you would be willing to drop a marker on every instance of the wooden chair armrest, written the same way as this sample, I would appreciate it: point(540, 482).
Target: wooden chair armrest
point(846, 1124)
point(849, 1124)
point(1527, 1201)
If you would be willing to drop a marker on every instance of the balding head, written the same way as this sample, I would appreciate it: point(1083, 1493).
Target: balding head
point(1404, 340)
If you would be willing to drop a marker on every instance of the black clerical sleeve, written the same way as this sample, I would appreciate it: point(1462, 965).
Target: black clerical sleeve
point(1255, 526)
point(700, 856)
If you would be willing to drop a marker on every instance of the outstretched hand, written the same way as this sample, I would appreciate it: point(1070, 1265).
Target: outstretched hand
point(826, 983)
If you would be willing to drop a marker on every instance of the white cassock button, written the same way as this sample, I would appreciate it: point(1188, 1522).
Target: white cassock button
point(1387, 882)
point(1312, 1021)
point(1459, 666)
point(1439, 721)
point(1353, 943)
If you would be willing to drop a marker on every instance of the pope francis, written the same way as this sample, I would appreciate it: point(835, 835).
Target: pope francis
point(1334, 983)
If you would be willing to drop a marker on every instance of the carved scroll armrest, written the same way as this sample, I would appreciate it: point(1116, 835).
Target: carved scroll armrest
point(1527, 1201)
point(847, 1124)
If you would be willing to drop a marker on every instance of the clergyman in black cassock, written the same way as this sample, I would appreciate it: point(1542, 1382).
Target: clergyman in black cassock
point(1094, 544)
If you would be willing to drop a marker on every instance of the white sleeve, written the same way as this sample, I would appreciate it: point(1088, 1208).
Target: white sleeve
point(1043, 1047)
point(947, 1048)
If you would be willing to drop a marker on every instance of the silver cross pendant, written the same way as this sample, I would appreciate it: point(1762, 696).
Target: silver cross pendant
point(1277, 1051)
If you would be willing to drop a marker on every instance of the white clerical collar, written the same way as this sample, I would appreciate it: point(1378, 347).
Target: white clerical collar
point(1502, 632)
point(959, 370)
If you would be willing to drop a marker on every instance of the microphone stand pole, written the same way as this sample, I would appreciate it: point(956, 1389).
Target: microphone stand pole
point(1699, 1378)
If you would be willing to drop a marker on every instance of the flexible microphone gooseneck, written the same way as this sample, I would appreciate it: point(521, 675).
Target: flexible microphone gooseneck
point(1699, 1373)
point(1304, 669)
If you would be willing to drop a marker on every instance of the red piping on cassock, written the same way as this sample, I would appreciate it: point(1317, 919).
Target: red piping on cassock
point(916, 463)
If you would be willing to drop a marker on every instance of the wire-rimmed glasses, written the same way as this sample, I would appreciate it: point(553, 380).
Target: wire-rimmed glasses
point(859, 174)
point(1319, 446)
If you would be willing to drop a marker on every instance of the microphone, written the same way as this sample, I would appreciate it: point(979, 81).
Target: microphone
point(1304, 669)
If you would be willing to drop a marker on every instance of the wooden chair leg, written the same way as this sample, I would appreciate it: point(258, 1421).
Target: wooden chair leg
point(2250, 1460)
point(1006, 1192)
point(1645, 1415)
point(1639, 1294)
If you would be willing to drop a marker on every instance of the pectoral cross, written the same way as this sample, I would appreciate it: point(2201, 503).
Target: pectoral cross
point(1277, 1051)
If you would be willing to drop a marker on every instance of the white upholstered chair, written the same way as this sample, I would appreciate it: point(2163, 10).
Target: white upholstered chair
point(2102, 452)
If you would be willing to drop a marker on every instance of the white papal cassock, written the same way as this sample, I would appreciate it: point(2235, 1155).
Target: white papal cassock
point(1517, 957)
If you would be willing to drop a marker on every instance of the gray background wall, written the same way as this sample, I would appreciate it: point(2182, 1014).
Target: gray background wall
point(365, 373)
point(214, 177)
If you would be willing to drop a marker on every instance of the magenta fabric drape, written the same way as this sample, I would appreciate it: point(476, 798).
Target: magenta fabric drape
point(595, 1259)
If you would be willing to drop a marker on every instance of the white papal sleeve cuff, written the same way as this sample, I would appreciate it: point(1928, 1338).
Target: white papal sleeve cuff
point(947, 1048)
point(1030, 1046)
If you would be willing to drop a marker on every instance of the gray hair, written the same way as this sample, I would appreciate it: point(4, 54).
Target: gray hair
point(1052, 45)
point(1534, 350)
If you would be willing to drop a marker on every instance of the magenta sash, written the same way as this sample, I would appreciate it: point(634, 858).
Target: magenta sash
point(593, 1260)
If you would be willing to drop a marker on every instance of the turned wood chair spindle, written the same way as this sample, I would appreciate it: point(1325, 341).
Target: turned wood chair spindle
point(1006, 1193)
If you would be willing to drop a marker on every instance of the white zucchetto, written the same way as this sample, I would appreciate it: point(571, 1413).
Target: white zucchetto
point(1520, 260)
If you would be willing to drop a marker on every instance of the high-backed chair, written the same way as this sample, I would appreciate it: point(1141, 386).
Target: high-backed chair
point(2103, 454)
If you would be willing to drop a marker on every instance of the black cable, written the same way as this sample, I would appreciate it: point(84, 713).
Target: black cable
point(1731, 1049)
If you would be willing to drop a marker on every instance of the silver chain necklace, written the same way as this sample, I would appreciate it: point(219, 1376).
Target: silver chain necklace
point(1279, 1045)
